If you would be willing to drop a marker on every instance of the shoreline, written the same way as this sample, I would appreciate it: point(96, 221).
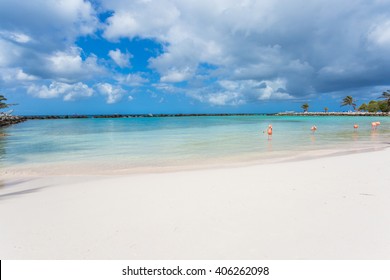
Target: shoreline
point(91, 168)
point(324, 208)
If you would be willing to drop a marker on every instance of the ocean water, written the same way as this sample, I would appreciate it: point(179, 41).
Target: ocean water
point(131, 143)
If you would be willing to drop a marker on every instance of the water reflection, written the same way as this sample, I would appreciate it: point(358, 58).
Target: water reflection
point(269, 146)
point(374, 134)
point(355, 135)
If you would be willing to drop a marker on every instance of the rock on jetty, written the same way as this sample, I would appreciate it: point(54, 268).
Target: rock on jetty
point(6, 119)
point(55, 117)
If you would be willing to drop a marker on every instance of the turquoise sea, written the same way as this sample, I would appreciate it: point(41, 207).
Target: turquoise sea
point(131, 143)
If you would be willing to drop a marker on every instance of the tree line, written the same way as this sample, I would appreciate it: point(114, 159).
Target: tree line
point(373, 106)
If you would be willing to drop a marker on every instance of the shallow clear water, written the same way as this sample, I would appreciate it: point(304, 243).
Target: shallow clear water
point(173, 141)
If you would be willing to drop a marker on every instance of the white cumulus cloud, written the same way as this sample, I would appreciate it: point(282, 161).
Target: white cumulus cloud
point(147, 18)
point(51, 23)
point(132, 79)
point(112, 93)
point(69, 66)
point(121, 59)
point(68, 92)
point(39, 36)
point(15, 75)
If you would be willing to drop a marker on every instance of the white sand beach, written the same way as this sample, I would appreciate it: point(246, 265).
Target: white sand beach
point(325, 208)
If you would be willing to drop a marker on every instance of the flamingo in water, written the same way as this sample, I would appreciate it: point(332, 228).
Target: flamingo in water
point(269, 131)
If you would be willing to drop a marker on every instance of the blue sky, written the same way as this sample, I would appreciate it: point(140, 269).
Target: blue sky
point(191, 56)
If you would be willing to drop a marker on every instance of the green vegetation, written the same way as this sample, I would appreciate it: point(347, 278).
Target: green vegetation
point(375, 106)
point(305, 107)
point(349, 101)
point(3, 104)
point(363, 107)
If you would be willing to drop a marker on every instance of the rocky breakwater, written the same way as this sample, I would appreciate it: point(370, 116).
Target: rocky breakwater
point(6, 120)
point(56, 117)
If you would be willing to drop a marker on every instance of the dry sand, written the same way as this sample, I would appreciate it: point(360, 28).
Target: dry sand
point(325, 208)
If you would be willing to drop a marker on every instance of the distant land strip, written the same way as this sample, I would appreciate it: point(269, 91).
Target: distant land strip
point(384, 114)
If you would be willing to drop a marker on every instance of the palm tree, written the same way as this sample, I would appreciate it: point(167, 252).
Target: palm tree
point(326, 109)
point(386, 95)
point(305, 107)
point(348, 100)
point(2, 104)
